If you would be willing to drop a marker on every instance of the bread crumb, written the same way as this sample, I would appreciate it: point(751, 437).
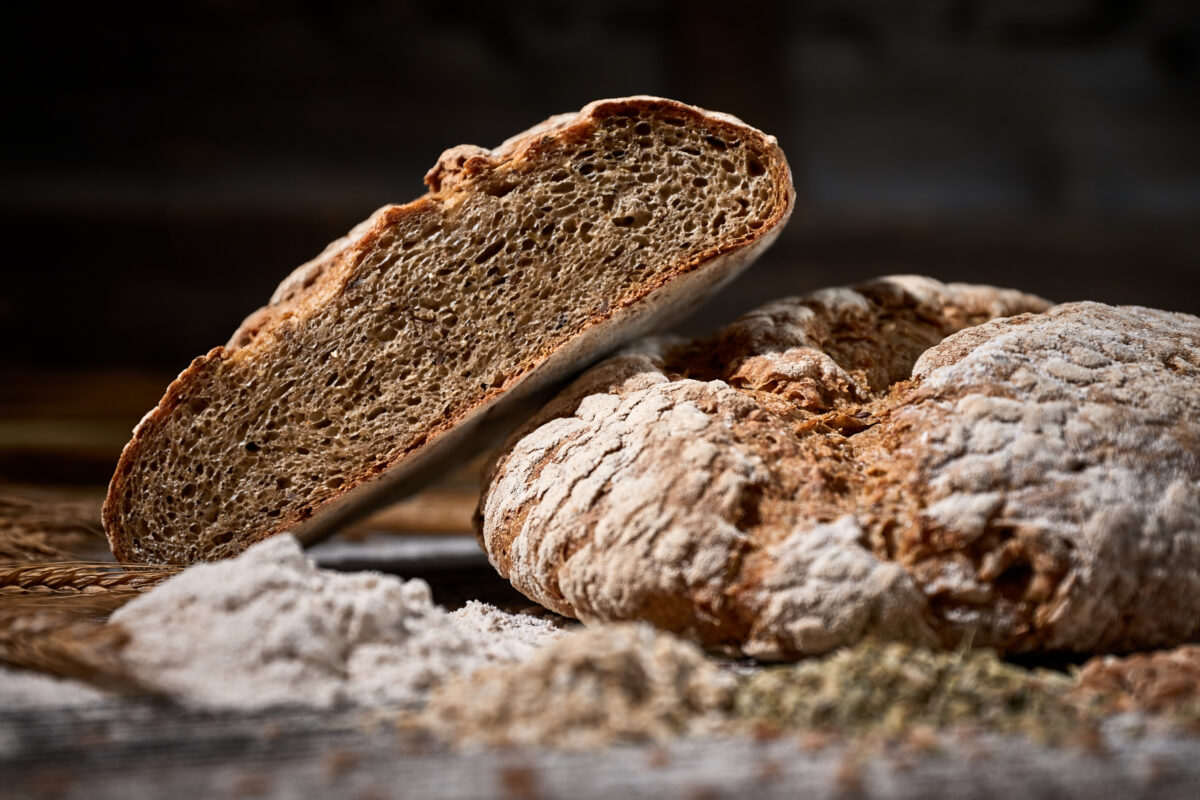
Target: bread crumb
point(592, 687)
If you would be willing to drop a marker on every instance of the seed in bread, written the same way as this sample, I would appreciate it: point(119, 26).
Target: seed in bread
point(519, 265)
point(844, 464)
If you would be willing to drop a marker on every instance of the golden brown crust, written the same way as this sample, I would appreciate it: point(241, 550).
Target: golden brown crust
point(455, 170)
point(458, 173)
point(175, 394)
point(834, 466)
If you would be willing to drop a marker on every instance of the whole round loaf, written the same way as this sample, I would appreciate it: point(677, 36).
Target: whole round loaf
point(844, 464)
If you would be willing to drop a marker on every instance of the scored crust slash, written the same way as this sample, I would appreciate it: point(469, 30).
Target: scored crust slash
point(387, 351)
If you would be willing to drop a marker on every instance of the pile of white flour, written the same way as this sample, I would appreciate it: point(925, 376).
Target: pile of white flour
point(269, 627)
point(22, 689)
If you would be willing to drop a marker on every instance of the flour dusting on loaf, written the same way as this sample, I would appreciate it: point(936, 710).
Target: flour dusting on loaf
point(905, 459)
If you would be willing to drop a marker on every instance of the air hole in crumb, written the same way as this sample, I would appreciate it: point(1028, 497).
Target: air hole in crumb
point(489, 251)
point(642, 128)
point(754, 166)
point(252, 447)
point(500, 189)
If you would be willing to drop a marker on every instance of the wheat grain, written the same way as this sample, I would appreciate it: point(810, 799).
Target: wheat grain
point(75, 577)
point(39, 525)
point(68, 637)
point(53, 618)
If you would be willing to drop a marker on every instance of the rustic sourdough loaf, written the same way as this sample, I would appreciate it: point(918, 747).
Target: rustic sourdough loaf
point(839, 465)
point(520, 264)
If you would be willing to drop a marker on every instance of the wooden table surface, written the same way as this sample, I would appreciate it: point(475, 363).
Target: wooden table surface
point(141, 750)
point(61, 434)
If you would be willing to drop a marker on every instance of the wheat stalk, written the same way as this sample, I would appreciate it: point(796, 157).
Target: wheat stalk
point(27, 546)
point(53, 618)
point(42, 525)
point(75, 577)
point(54, 607)
point(67, 636)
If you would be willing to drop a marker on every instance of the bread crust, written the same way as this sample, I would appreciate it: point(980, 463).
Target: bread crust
point(843, 464)
point(310, 287)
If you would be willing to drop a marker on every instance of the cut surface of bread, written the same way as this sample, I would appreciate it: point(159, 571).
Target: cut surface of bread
point(845, 464)
point(521, 264)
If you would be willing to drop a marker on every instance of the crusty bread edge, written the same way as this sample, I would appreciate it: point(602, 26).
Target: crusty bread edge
point(495, 418)
point(674, 295)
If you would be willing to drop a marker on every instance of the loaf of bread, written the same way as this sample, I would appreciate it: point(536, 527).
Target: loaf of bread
point(520, 265)
point(844, 464)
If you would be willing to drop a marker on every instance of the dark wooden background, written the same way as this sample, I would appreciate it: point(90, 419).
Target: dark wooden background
point(165, 168)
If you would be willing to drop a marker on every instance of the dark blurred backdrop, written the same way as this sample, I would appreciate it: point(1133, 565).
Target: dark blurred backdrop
point(166, 168)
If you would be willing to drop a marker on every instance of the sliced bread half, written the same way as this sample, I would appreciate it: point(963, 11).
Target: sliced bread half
point(520, 265)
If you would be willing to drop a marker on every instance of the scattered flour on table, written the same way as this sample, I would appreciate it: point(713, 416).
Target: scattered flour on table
point(592, 687)
point(269, 627)
point(24, 689)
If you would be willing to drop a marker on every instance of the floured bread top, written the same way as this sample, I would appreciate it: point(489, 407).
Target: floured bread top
point(844, 464)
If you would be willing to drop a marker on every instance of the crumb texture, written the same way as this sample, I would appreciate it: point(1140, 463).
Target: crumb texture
point(429, 312)
point(270, 628)
point(906, 459)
